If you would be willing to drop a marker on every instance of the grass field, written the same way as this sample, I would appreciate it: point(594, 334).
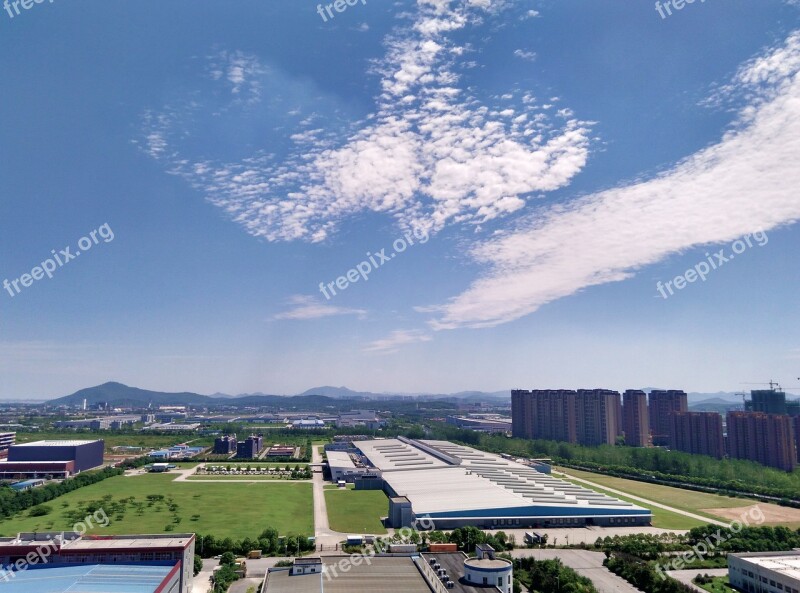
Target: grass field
point(662, 518)
point(356, 511)
point(223, 510)
point(147, 441)
point(687, 500)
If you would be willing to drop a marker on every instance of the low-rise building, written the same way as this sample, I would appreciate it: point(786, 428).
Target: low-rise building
point(70, 561)
point(765, 572)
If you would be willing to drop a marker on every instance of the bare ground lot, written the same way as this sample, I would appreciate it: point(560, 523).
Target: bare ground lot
point(773, 514)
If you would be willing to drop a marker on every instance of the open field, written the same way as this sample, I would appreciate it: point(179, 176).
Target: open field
point(773, 514)
point(711, 505)
point(356, 511)
point(662, 518)
point(223, 510)
point(113, 439)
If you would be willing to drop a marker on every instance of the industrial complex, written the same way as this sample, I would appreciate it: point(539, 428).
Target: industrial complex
point(452, 485)
point(58, 459)
point(765, 571)
point(69, 561)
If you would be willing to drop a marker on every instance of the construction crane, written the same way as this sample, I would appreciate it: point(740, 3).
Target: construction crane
point(774, 385)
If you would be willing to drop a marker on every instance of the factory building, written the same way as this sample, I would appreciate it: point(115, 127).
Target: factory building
point(344, 468)
point(6, 440)
point(451, 486)
point(52, 458)
point(63, 562)
point(399, 572)
point(765, 572)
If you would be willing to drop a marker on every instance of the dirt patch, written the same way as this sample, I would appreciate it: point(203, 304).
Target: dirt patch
point(773, 514)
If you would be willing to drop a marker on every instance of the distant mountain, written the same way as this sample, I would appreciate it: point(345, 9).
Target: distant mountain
point(716, 404)
point(340, 392)
point(119, 395)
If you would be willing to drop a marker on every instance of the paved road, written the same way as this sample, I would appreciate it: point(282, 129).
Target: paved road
point(322, 530)
point(585, 563)
point(686, 576)
point(644, 500)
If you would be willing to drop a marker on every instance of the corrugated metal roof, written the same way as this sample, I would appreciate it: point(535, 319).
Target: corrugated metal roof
point(92, 578)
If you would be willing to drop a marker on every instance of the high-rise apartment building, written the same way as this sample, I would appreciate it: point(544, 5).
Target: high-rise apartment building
point(796, 421)
point(596, 415)
point(697, 432)
point(543, 414)
point(766, 401)
point(521, 414)
point(661, 403)
point(768, 439)
point(635, 423)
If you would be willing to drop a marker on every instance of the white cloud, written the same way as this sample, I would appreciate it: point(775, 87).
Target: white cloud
point(396, 339)
point(242, 71)
point(305, 307)
point(747, 182)
point(429, 156)
point(525, 55)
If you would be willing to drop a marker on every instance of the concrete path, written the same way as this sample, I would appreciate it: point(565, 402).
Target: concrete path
point(322, 529)
point(585, 563)
point(644, 500)
point(686, 576)
point(202, 582)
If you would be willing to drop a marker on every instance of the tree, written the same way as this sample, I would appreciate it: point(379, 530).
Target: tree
point(198, 564)
point(227, 559)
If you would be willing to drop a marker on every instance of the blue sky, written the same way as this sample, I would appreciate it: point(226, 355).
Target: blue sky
point(559, 158)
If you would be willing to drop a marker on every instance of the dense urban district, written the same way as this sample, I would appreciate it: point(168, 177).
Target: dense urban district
point(121, 490)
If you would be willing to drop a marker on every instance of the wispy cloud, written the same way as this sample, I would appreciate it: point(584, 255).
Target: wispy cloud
point(525, 55)
point(746, 182)
point(396, 339)
point(305, 307)
point(430, 155)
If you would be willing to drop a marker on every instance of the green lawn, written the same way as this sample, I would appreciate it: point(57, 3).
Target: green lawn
point(223, 510)
point(112, 439)
point(356, 511)
point(718, 585)
point(687, 500)
point(662, 518)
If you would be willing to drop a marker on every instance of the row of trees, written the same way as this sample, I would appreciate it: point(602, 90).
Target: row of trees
point(748, 539)
point(550, 576)
point(643, 575)
point(650, 464)
point(269, 542)
point(12, 502)
point(466, 538)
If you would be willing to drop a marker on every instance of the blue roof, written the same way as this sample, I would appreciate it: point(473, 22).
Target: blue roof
point(90, 578)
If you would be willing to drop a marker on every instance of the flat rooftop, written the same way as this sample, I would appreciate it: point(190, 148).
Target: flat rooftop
point(453, 563)
point(55, 443)
point(481, 484)
point(92, 578)
point(73, 541)
point(395, 455)
point(340, 459)
point(785, 563)
point(387, 575)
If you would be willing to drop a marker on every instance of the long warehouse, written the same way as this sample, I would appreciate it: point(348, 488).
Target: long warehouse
point(452, 486)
